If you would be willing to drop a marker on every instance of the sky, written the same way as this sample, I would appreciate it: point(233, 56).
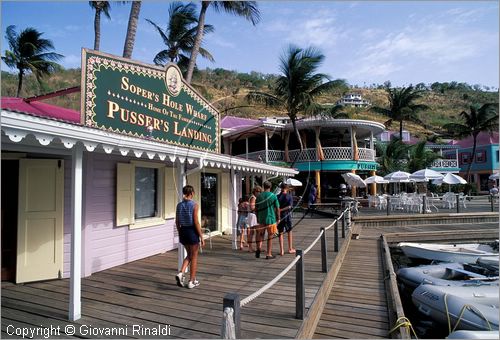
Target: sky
point(364, 42)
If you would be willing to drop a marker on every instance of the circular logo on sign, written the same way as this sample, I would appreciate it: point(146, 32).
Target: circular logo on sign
point(173, 81)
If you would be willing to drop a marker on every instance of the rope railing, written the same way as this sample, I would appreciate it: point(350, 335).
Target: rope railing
point(314, 242)
point(269, 284)
point(231, 322)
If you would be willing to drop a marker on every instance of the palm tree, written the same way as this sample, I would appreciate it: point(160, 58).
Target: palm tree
point(420, 157)
point(131, 29)
point(391, 156)
point(401, 106)
point(299, 85)
point(30, 53)
point(479, 119)
point(246, 9)
point(179, 35)
point(99, 7)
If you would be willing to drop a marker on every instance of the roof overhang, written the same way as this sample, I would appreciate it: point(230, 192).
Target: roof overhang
point(17, 126)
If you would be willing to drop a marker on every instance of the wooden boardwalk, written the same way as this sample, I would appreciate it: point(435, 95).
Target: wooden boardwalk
point(357, 305)
point(144, 293)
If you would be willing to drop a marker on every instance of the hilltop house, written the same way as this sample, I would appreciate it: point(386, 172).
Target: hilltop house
point(353, 99)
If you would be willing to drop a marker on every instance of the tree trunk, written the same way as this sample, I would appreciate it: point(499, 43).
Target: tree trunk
point(131, 29)
point(472, 158)
point(97, 29)
point(20, 83)
point(299, 139)
point(197, 41)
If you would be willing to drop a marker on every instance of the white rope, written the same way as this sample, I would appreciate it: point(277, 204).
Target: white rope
point(269, 284)
point(314, 243)
point(287, 269)
point(228, 330)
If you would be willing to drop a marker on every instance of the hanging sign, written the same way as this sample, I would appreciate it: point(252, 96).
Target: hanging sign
point(128, 97)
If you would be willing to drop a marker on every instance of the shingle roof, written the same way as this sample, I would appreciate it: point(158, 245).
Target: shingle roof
point(40, 109)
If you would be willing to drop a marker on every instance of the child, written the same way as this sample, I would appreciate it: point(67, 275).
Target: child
point(242, 224)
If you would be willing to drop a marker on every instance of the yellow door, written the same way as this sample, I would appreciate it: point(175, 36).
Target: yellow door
point(225, 203)
point(40, 220)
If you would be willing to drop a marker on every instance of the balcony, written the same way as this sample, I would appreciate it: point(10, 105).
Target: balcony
point(445, 163)
point(310, 155)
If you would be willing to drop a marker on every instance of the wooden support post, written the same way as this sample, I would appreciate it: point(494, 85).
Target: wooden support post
point(336, 236)
point(324, 260)
point(388, 205)
point(300, 301)
point(343, 225)
point(458, 204)
point(492, 201)
point(424, 204)
point(232, 300)
point(75, 285)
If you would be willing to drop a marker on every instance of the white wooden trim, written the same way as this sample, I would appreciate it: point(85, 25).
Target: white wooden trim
point(18, 125)
point(75, 303)
point(181, 173)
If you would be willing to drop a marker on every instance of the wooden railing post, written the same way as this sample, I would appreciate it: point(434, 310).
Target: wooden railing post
point(324, 259)
point(388, 205)
point(300, 301)
point(232, 300)
point(492, 201)
point(424, 204)
point(343, 224)
point(336, 236)
point(458, 204)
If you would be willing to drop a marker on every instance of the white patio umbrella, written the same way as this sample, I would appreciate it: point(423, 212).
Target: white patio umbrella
point(354, 180)
point(293, 182)
point(376, 179)
point(425, 175)
point(450, 179)
point(398, 177)
point(494, 176)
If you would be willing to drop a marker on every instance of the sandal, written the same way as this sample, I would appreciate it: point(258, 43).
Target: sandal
point(268, 257)
point(291, 251)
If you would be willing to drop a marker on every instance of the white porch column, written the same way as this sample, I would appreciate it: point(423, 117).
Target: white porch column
point(234, 206)
point(181, 182)
point(266, 141)
point(246, 148)
point(352, 144)
point(456, 157)
point(75, 293)
point(371, 140)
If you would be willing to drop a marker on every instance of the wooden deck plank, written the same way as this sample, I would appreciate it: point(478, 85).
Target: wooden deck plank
point(145, 292)
point(357, 305)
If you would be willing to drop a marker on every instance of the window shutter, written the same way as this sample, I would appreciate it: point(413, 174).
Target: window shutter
point(225, 203)
point(125, 183)
point(194, 179)
point(170, 199)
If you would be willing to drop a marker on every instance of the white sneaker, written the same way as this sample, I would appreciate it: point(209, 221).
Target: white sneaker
point(192, 284)
point(180, 279)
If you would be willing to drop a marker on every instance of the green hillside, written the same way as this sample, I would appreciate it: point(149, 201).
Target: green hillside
point(227, 90)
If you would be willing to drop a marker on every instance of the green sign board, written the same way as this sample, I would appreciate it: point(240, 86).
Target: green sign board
point(146, 101)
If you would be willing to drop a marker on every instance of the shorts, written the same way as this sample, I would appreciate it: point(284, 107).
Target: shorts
point(242, 224)
point(188, 236)
point(252, 219)
point(272, 229)
point(285, 225)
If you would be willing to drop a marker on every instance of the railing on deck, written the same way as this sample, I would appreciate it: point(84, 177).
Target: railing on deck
point(445, 163)
point(231, 323)
point(310, 154)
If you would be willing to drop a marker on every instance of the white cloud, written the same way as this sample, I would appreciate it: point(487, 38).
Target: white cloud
point(217, 40)
point(318, 28)
point(440, 45)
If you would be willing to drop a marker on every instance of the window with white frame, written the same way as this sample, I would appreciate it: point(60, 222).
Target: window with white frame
point(145, 194)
